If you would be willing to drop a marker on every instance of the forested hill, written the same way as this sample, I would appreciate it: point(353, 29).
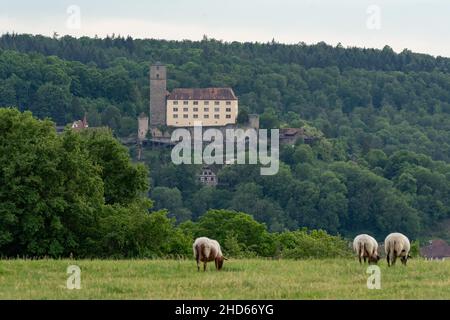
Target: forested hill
point(385, 118)
point(377, 97)
point(104, 51)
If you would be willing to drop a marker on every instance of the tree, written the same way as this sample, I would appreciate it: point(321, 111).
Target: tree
point(242, 117)
point(376, 158)
point(131, 233)
point(7, 94)
point(172, 200)
point(303, 154)
point(52, 101)
point(407, 183)
point(124, 181)
point(50, 191)
point(128, 126)
point(111, 117)
point(269, 119)
point(218, 224)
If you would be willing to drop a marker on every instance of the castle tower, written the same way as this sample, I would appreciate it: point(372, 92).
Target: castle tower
point(158, 93)
point(253, 120)
point(142, 127)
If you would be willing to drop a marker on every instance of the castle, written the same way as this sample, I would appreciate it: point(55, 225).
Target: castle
point(183, 107)
point(213, 107)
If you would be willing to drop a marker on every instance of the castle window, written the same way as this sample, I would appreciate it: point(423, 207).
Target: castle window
point(206, 109)
point(216, 116)
point(175, 116)
point(228, 116)
point(185, 116)
point(206, 116)
point(175, 103)
point(185, 109)
point(175, 109)
point(195, 103)
point(228, 109)
point(195, 116)
point(195, 109)
point(216, 103)
point(216, 110)
point(228, 103)
point(185, 103)
point(206, 103)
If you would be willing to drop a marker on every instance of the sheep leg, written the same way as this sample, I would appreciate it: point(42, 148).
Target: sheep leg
point(204, 266)
point(388, 260)
point(197, 258)
point(364, 259)
point(361, 252)
point(394, 258)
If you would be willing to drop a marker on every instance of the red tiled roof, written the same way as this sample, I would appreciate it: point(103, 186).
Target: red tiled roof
point(437, 249)
point(202, 94)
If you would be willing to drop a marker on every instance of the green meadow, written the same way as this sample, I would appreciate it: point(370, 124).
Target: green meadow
point(240, 279)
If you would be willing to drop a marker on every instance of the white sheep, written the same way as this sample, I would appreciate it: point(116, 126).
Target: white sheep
point(397, 245)
point(206, 250)
point(366, 247)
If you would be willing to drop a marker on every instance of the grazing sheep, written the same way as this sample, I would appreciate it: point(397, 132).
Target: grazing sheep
point(397, 245)
point(206, 250)
point(366, 247)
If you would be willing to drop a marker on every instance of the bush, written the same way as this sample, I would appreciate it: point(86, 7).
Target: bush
point(303, 244)
point(134, 233)
point(251, 235)
point(415, 249)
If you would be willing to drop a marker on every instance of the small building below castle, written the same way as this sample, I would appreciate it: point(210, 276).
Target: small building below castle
point(208, 177)
point(291, 135)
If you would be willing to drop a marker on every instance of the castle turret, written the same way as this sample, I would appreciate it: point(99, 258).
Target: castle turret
point(253, 120)
point(142, 127)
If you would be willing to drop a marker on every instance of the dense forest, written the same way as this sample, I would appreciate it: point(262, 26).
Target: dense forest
point(382, 164)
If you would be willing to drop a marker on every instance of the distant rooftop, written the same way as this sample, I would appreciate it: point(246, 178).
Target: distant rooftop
point(202, 94)
point(436, 249)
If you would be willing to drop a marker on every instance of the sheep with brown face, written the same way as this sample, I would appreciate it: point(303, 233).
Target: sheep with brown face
point(366, 247)
point(206, 250)
point(397, 245)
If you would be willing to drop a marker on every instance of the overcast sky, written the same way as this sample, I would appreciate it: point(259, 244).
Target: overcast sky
point(419, 25)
